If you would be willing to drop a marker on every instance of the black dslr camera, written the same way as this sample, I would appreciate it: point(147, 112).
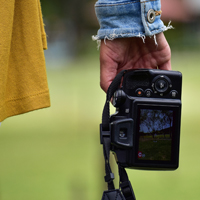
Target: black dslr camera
point(145, 130)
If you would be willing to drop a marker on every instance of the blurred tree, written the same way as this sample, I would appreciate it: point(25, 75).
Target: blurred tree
point(68, 23)
point(80, 13)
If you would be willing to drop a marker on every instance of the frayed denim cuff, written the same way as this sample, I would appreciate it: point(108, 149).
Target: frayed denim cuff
point(128, 18)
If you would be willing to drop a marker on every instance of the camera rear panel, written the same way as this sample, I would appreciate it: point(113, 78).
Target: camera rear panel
point(147, 120)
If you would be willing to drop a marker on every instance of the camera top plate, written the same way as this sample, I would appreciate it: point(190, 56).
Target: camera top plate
point(153, 83)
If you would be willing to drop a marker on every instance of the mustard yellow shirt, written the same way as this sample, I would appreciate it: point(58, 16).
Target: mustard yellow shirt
point(23, 80)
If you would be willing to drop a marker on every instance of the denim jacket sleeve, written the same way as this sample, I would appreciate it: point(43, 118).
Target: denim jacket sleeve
point(128, 18)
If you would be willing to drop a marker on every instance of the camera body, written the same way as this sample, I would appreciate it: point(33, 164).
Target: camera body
point(145, 130)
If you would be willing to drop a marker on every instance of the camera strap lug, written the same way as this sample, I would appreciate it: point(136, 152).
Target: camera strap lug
point(103, 133)
point(109, 177)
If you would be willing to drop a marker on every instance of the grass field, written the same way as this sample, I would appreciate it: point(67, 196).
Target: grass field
point(55, 154)
point(155, 149)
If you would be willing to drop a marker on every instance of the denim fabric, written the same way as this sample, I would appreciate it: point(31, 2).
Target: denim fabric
point(127, 18)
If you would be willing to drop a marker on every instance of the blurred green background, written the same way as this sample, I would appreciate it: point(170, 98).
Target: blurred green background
point(55, 153)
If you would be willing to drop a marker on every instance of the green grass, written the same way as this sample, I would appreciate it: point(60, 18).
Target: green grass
point(155, 149)
point(55, 153)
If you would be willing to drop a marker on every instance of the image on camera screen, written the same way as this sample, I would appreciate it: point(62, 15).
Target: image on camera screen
point(155, 134)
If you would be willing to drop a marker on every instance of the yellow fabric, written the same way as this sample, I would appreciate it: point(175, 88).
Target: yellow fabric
point(23, 80)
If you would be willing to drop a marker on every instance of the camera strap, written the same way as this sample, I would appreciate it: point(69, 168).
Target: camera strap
point(125, 184)
point(126, 192)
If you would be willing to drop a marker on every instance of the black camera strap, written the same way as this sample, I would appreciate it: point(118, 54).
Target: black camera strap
point(111, 90)
point(109, 175)
point(125, 185)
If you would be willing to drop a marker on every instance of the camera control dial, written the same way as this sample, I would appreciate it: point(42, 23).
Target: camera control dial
point(119, 98)
point(161, 84)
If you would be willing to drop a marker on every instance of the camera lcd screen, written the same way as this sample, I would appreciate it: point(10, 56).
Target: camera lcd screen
point(155, 134)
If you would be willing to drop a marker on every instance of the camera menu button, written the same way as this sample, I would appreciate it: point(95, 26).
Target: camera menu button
point(148, 93)
point(174, 94)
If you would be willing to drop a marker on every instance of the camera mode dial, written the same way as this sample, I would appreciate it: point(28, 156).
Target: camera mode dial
point(119, 98)
point(161, 84)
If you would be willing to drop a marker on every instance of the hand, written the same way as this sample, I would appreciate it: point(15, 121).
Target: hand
point(132, 53)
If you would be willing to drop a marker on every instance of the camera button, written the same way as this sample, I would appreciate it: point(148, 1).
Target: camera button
point(173, 94)
point(148, 93)
point(161, 85)
point(139, 92)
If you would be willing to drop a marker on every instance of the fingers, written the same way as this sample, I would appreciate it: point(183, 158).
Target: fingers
point(165, 66)
point(108, 66)
point(108, 71)
point(126, 53)
point(105, 79)
point(164, 59)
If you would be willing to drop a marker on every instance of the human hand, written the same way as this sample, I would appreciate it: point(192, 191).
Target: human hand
point(132, 53)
